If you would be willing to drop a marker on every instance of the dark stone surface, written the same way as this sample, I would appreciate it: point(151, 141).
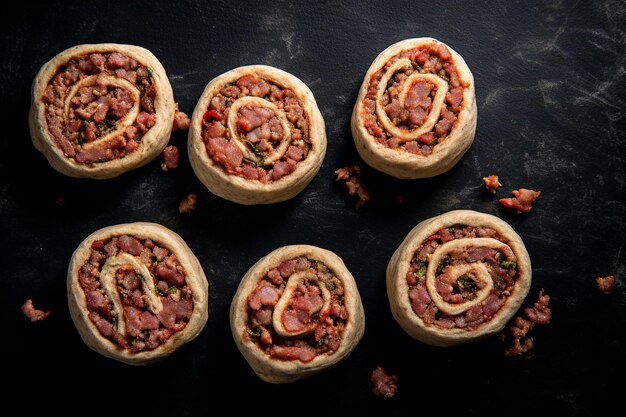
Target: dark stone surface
point(550, 85)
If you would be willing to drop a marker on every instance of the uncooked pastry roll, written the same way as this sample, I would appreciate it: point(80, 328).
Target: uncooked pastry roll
point(296, 312)
point(415, 115)
point(136, 292)
point(458, 277)
point(100, 110)
point(256, 136)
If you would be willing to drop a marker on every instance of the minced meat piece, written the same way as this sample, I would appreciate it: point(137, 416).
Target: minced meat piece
point(518, 330)
point(491, 183)
point(32, 313)
point(354, 182)
point(522, 201)
point(170, 155)
point(606, 285)
point(188, 204)
point(385, 384)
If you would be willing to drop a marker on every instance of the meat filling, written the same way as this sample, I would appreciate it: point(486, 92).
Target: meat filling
point(311, 311)
point(153, 306)
point(271, 129)
point(99, 106)
point(407, 101)
point(455, 289)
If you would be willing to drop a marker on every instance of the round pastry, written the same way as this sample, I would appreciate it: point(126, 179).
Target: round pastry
point(100, 110)
point(296, 312)
point(136, 292)
point(256, 136)
point(458, 277)
point(415, 115)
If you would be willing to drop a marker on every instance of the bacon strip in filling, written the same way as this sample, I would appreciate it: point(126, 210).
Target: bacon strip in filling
point(256, 129)
point(461, 276)
point(413, 102)
point(99, 106)
point(297, 311)
point(136, 292)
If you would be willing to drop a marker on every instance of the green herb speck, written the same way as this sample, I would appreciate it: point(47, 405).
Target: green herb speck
point(444, 262)
point(508, 265)
point(254, 332)
point(457, 226)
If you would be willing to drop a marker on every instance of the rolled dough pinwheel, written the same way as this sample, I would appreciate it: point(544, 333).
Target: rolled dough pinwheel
point(296, 312)
point(100, 110)
point(256, 136)
point(136, 292)
point(458, 277)
point(415, 115)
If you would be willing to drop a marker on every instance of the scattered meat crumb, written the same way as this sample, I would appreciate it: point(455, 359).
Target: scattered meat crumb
point(32, 313)
point(181, 120)
point(606, 285)
point(517, 332)
point(354, 182)
point(385, 384)
point(170, 155)
point(188, 204)
point(59, 200)
point(491, 183)
point(539, 313)
point(520, 344)
point(400, 198)
point(522, 201)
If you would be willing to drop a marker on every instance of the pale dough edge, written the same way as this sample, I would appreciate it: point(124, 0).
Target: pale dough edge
point(278, 371)
point(195, 278)
point(404, 165)
point(152, 143)
point(238, 189)
point(397, 288)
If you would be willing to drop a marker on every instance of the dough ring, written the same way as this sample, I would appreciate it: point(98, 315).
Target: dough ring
point(136, 292)
point(415, 115)
point(256, 136)
point(458, 277)
point(296, 312)
point(100, 110)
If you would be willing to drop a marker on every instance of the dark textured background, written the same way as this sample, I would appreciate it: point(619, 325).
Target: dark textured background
point(550, 86)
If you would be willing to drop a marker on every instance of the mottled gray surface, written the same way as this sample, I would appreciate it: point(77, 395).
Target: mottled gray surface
point(551, 92)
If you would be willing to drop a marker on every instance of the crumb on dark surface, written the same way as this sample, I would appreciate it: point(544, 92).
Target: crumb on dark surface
point(188, 204)
point(491, 183)
point(352, 175)
point(606, 285)
point(32, 313)
point(522, 200)
point(59, 200)
point(170, 155)
point(385, 383)
point(181, 120)
point(518, 330)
